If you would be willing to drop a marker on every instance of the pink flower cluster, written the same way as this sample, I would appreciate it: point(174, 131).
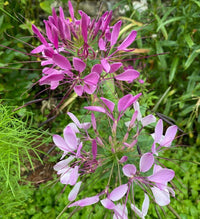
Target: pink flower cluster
point(83, 54)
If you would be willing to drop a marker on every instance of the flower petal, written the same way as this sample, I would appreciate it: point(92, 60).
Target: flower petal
point(107, 203)
point(92, 79)
point(85, 202)
point(129, 75)
point(118, 192)
point(105, 65)
point(74, 192)
point(61, 61)
point(108, 103)
point(162, 197)
point(145, 205)
point(115, 33)
point(70, 138)
point(146, 162)
point(60, 143)
point(127, 42)
point(148, 120)
point(169, 136)
point(78, 64)
point(95, 108)
point(79, 90)
point(129, 170)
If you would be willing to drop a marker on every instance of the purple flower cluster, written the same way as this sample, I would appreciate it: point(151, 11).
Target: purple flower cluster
point(70, 46)
point(84, 54)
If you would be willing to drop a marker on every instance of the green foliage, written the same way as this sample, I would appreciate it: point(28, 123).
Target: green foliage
point(18, 146)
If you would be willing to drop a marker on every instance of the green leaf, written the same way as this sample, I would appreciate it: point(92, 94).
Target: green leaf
point(173, 69)
point(197, 2)
point(189, 41)
point(190, 59)
point(163, 29)
point(169, 21)
point(159, 49)
point(46, 6)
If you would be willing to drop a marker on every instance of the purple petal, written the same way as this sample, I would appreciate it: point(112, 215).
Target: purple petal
point(158, 131)
point(115, 66)
point(127, 42)
point(95, 108)
point(55, 37)
point(79, 90)
point(85, 202)
point(146, 162)
point(115, 33)
point(169, 136)
point(70, 138)
point(48, 79)
point(79, 65)
point(40, 36)
point(156, 168)
point(132, 122)
point(94, 149)
point(74, 192)
point(60, 143)
point(61, 61)
point(148, 120)
point(108, 103)
point(129, 170)
point(105, 65)
point(162, 197)
point(91, 79)
point(129, 75)
point(118, 192)
point(163, 176)
point(97, 68)
point(153, 149)
point(107, 203)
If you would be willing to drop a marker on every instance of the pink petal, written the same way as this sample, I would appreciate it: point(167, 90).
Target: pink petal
point(148, 120)
point(129, 170)
point(127, 42)
point(118, 192)
point(126, 101)
point(115, 66)
point(169, 136)
point(74, 176)
point(120, 212)
point(55, 36)
point(158, 131)
point(47, 79)
point(162, 176)
point(89, 89)
point(123, 159)
point(137, 108)
point(107, 203)
point(115, 33)
point(84, 26)
point(79, 65)
point(153, 149)
point(38, 49)
point(105, 65)
point(146, 162)
point(79, 90)
point(97, 68)
point(40, 36)
point(93, 121)
point(70, 138)
point(71, 10)
point(102, 44)
point(85, 202)
point(108, 103)
point(61, 61)
point(162, 197)
point(145, 205)
point(95, 108)
point(60, 143)
point(63, 163)
point(91, 79)
point(74, 192)
point(132, 122)
point(74, 119)
point(129, 75)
